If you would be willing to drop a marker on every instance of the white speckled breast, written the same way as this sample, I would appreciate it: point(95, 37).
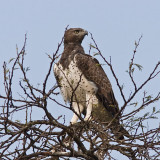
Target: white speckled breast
point(74, 86)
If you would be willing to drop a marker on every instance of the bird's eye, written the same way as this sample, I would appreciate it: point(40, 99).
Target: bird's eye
point(76, 31)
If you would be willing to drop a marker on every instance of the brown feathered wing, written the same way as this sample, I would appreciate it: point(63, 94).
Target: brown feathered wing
point(93, 71)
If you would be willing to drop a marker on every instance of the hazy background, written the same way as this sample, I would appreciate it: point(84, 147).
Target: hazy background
point(114, 24)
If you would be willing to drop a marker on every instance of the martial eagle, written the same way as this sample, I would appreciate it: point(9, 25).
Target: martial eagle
point(84, 83)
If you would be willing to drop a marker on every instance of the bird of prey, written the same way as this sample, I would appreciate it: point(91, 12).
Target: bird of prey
point(84, 83)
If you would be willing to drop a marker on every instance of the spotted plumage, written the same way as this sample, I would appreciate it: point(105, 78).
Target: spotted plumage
point(84, 83)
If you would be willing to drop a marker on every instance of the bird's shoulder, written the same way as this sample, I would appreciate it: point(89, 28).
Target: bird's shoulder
point(90, 67)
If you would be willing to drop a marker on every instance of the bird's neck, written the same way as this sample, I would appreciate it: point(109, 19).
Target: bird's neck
point(70, 50)
point(72, 46)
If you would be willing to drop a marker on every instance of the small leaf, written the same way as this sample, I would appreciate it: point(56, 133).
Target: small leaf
point(27, 69)
point(72, 81)
point(122, 86)
point(148, 98)
point(16, 68)
point(130, 65)
point(153, 117)
point(136, 120)
point(11, 60)
point(127, 71)
point(135, 43)
point(49, 56)
point(158, 111)
point(97, 64)
point(132, 70)
point(17, 121)
point(92, 46)
point(135, 104)
point(6, 71)
point(146, 114)
point(154, 109)
point(138, 66)
point(95, 54)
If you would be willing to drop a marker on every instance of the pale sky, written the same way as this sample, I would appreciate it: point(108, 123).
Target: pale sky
point(114, 24)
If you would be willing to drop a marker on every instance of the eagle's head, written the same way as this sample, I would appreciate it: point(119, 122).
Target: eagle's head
point(74, 35)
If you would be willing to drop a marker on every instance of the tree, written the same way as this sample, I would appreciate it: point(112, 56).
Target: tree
point(48, 137)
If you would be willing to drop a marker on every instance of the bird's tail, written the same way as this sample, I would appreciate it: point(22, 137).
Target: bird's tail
point(119, 131)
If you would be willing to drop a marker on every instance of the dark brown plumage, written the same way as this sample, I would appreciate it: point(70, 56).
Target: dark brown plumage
point(93, 71)
point(77, 68)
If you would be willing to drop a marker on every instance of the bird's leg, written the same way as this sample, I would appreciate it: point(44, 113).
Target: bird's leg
point(78, 108)
point(89, 103)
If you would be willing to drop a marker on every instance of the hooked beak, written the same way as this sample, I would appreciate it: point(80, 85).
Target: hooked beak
point(85, 32)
